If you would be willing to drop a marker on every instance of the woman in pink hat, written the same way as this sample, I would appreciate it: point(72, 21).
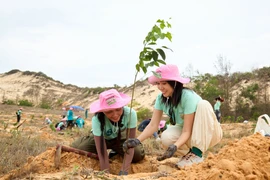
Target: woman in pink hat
point(193, 125)
point(110, 123)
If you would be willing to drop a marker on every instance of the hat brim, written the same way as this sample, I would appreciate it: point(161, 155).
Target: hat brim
point(95, 106)
point(153, 80)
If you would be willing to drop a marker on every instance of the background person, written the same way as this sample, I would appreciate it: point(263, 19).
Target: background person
point(19, 113)
point(217, 105)
point(80, 122)
point(193, 128)
point(60, 126)
point(69, 121)
point(86, 114)
point(110, 124)
point(47, 121)
point(162, 127)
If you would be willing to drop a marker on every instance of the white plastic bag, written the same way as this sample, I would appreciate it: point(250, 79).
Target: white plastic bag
point(263, 126)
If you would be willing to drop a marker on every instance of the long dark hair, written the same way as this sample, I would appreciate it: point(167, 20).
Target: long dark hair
point(176, 96)
point(101, 118)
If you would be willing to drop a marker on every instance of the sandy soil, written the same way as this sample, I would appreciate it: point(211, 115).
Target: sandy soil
point(245, 158)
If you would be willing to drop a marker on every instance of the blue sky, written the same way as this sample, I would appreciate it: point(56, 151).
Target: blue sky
point(97, 42)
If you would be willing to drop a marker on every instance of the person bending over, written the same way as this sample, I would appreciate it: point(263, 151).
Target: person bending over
point(193, 125)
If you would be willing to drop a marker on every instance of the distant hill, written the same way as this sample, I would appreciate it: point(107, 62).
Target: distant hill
point(39, 89)
point(245, 91)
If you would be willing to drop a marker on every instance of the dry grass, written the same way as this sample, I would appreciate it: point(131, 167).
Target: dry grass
point(16, 148)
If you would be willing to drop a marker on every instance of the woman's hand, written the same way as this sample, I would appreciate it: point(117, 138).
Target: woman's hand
point(169, 153)
point(130, 143)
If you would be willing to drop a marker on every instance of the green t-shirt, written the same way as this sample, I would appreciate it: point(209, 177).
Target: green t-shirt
point(111, 131)
point(188, 105)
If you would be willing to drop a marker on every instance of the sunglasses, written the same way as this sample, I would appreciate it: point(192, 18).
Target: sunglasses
point(172, 116)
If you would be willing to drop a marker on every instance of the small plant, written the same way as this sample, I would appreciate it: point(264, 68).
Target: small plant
point(52, 127)
point(5, 125)
point(151, 55)
point(45, 105)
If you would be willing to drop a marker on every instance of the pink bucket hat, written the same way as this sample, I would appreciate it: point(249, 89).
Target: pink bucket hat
point(110, 99)
point(167, 72)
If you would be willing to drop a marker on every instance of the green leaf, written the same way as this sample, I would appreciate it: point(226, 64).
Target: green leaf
point(162, 36)
point(144, 70)
point(162, 25)
point(156, 29)
point(148, 56)
point(141, 55)
point(149, 64)
point(156, 63)
point(160, 21)
point(155, 55)
point(154, 38)
point(161, 61)
point(156, 74)
point(169, 25)
point(138, 67)
point(165, 47)
point(169, 36)
point(152, 43)
point(162, 54)
point(141, 64)
point(147, 48)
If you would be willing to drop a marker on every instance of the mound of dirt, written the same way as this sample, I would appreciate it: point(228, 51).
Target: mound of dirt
point(247, 158)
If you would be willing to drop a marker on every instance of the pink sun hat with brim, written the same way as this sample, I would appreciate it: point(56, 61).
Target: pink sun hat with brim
point(167, 72)
point(110, 99)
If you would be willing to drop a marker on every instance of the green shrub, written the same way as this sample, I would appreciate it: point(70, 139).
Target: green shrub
point(144, 113)
point(25, 103)
point(98, 90)
point(239, 119)
point(9, 102)
point(45, 105)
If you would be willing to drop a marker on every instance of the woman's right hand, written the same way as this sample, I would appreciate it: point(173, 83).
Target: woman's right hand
point(130, 143)
point(169, 153)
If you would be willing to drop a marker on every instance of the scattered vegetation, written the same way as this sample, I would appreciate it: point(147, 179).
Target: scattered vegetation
point(45, 105)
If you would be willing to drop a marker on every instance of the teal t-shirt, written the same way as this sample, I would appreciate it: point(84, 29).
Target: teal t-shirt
point(70, 115)
point(111, 131)
point(217, 105)
point(19, 112)
point(80, 122)
point(188, 105)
